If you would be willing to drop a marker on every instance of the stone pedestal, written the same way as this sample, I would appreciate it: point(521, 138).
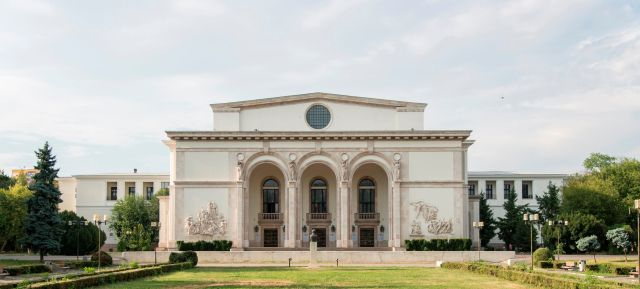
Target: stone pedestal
point(313, 254)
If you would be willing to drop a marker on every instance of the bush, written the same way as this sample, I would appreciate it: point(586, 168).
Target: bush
point(89, 270)
point(438, 245)
point(188, 256)
point(134, 265)
point(80, 264)
point(105, 258)
point(112, 277)
point(27, 269)
point(542, 254)
point(545, 264)
point(215, 245)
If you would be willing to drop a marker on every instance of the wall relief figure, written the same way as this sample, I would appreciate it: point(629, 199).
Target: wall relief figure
point(428, 215)
point(209, 222)
point(416, 229)
point(344, 170)
point(292, 171)
point(240, 171)
point(396, 170)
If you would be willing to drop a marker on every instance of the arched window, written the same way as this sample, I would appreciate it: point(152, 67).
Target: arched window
point(318, 196)
point(270, 196)
point(366, 196)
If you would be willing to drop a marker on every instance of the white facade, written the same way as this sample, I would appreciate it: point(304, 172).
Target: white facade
point(97, 194)
point(526, 186)
point(369, 149)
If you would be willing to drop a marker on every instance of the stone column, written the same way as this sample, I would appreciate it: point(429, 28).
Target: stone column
point(163, 203)
point(344, 225)
point(395, 235)
point(292, 215)
point(238, 242)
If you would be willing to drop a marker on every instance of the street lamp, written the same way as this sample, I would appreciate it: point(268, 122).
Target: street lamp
point(155, 250)
point(98, 222)
point(636, 205)
point(77, 224)
point(531, 219)
point(478, 225)
point(560, 224)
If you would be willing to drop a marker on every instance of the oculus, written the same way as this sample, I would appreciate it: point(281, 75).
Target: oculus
point(318, 116)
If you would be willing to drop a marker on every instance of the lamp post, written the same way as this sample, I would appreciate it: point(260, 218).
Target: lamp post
point(98, 222)
point(77, 224)
point(478, 225)
point(531, 219)
point(155, 250)
point(560, 224)
point(636, 205)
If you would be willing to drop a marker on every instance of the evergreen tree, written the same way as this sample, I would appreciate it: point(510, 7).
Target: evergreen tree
point(508, 225)
point(43, 225)
point(6, 181)
point(486, 215)
point(549, 203)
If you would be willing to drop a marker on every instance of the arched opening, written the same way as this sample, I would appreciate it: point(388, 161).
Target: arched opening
point(319, 196)
point(370, 204)
point(264, 213)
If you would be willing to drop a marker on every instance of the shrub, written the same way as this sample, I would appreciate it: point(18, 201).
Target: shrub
point(542, 254)
point(176, 257)
point(134, 265)
point(27, 269)
point(545, 264)
point(80, 264)
point(191, 256)
point(89, 270)
point(215, 245)
point(438, 245)
point(105, 258)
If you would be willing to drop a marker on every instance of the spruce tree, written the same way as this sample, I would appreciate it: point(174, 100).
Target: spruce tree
point(43, 224)
point(486, 215)
point(549, 203)
point(508, 225)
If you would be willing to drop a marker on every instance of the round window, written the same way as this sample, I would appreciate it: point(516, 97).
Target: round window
point(318, 116)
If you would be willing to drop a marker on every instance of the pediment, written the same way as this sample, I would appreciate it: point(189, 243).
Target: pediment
point(317, 96)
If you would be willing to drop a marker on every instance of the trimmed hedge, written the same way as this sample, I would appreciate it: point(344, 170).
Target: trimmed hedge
point(215, 245)
point(610, 268)
point(542, 254)
point(121, 276)
point(105, 258)
point(80, 264)
point(188, 256)
point(549, 281)
point(545, 264)
point(27, 269)
point(438, 245)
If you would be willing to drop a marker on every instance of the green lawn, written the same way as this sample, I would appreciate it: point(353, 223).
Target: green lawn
point(11, 262)
point(359, 277)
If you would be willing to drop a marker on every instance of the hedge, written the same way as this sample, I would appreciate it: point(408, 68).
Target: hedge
point(216, 245)
point(105, 258)
point(438, 245)
point(610, 268)
point(550, 281)
point(545, 264)
point(121, 276)
point(188, 256)
point(80, 264)
point(27, 269)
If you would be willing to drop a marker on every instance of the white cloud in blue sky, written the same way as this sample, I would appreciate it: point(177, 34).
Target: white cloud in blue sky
point(541, 83)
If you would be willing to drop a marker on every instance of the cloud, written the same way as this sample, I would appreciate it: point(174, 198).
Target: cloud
point(322, 16)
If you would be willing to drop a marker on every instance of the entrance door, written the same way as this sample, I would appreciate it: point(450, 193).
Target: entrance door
point(366, 237)
point(271, 237)
point(322, 237)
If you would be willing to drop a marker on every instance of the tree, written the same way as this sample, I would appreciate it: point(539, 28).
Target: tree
point(549, 203)
point(13, 212)
point(619, 237)
point(130, 212)
point(589, 244)
point(82, 239)
point(596, 162)
point(43, 223)
point(488, 231)
point(508, 225)
point(5, 181)
point(591, 194)
point(580, 226)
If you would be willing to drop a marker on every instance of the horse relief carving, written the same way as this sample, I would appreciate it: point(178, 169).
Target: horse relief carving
point(210, 222)
point(428, 214)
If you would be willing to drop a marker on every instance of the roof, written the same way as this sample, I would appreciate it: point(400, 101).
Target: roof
point(505, 174)
point(118, 175)
point(460, 135)
point(238, 105)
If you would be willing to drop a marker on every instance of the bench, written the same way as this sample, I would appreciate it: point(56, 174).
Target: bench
point(2, 273)
point(634, 273)
point(569, 265)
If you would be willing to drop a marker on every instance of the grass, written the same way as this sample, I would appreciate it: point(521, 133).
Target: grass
point(12, 262)
point(327, 277)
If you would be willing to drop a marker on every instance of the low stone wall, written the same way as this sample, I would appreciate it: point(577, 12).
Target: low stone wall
point(346, 257)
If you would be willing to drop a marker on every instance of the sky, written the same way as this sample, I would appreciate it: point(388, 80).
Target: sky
point(542, 84)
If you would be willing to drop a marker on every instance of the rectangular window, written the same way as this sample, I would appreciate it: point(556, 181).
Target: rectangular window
point(526, 190)
point(508, 186)
point(131, 189)
point(489, 190)
point(149, 193)
point(472, 188)
point(148, 190)
point(112, 191)
point(164, 185)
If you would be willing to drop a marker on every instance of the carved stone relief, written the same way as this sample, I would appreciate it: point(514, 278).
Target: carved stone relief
point(209, 222)
point(428, 215)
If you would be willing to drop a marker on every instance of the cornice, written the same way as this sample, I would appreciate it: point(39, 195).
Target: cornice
point(438, 135)
point(238, 105)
